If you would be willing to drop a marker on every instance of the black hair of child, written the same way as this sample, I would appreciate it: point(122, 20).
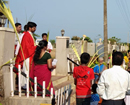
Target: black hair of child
point(94, 87)
point(85, 57)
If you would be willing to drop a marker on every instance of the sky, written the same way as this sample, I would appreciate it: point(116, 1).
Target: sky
point(76, 17)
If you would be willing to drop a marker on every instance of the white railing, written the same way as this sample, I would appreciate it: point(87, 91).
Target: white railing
point(61, 95)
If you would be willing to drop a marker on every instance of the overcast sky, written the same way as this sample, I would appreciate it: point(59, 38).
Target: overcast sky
point(76, 17)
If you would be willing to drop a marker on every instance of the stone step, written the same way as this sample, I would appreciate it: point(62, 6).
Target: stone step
point(56, 80)
point(63, 84)
point(16, 100)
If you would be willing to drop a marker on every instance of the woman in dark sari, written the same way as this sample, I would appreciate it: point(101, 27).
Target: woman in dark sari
point(42, 66)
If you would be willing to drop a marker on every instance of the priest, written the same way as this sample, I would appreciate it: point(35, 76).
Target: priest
point(28, 49)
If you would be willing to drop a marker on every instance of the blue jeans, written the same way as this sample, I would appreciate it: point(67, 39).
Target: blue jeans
point(83, 101)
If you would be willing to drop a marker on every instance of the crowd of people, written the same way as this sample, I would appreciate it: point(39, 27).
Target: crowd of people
point(37, 60)
point(101, 85)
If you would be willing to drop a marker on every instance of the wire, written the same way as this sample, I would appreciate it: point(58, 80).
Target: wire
point(127, 8)
point(125, 17)
point(123, 5)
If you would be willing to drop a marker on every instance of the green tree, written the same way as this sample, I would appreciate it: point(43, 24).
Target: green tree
point(75, 38)
point(114, 39)
point(53, 42)
point(88, 39)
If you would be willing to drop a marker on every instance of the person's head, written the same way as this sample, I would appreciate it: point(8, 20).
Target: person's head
point(100, 60)
point(129, 52)
point(44, 36)
point(114, 51)
point(18, 27)
point(84, 58)
point(117, 58)
point(41, 46)
point(94, 87)
point(25, 27)
point(129, 59)
point(31, 26)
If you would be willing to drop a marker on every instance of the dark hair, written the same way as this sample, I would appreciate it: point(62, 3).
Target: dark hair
point(128, 51)
point(84, 58)
point(17, 24)
point(94, 87)
point(44, 34)
point(25, 27)
point(114, 51)
point(117, 58)
point(40, 46)
point(31, 24)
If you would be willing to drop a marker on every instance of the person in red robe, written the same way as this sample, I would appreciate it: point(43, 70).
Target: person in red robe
point(28, 46)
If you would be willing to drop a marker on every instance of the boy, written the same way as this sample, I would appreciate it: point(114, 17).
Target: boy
point(49, 46)
point(94, 97)
point(83, 77)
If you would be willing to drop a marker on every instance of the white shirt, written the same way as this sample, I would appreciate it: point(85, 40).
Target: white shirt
point(18, 45)
point(16, 39)
point(49, 46)
point(114, 83)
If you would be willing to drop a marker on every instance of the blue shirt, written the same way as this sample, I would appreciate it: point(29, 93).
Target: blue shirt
point(98, 69)
point(94, 97)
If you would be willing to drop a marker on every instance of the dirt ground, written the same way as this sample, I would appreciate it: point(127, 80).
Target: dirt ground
point(53, 53)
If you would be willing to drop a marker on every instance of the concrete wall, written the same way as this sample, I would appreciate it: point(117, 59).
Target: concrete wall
point(91, 48)
point(7, 39)
point(62, 43)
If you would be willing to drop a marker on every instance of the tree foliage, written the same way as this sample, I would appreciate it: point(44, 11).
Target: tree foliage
point(75, 38)
point(78, 38)
point(53, 43)
point(87, 39)
point(114, 39)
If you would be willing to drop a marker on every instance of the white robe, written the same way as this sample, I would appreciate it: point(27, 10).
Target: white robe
point(18, 45)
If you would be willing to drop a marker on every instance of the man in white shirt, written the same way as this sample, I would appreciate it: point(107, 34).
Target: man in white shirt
point(20, 38)
point(114, 82)
point(18, 28)
point(49, 46)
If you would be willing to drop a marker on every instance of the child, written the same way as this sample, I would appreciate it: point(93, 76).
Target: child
point(94, 97)
point(83, 77)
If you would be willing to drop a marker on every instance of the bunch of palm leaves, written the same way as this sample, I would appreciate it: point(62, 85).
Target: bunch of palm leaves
point(94, 57)
point(7, 12)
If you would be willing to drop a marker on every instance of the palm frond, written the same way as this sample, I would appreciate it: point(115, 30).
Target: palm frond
point(89, 64)
point(48, 36)
point(7, 12)
point(31, 17)
point(75, 50)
